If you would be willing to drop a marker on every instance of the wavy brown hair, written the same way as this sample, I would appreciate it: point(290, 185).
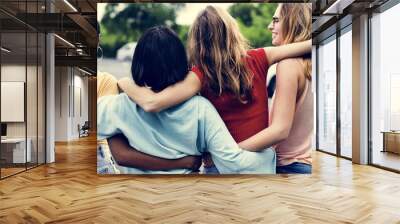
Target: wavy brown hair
point(217, 47)
point(296, 20)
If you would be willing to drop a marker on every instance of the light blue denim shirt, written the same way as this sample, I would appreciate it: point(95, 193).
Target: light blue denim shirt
point(190, 128)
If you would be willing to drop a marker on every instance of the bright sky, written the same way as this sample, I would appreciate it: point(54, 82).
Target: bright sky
point(186, 15)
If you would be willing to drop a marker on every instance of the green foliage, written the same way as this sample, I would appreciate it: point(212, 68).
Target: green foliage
point(183, 32)
point(253, 20)
point(123, 23)
point(119, 27)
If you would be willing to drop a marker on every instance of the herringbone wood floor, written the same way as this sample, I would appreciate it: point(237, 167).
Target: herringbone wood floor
point(70, 191)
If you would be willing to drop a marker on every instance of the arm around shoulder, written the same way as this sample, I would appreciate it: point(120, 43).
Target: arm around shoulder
point(289, 72)
point(282, 111)
point(275, 54)
point(171, 96)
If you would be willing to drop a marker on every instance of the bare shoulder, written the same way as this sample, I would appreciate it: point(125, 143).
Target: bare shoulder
point(290, 63)
point(290, 66)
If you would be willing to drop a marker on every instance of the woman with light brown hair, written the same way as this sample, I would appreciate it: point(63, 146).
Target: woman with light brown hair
point(225, 71)
point(291, 116)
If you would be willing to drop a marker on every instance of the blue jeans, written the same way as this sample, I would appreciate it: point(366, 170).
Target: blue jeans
point(295, 168)
point(105, 162)
point(211, 170)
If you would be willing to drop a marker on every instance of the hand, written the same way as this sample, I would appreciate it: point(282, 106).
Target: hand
point(207, 160)
point(141, 95)
point(125, 83)
point(129, 86)
point(191, 162)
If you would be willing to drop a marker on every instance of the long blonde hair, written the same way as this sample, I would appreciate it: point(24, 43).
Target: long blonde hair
point(217, 47)
point(296, 20)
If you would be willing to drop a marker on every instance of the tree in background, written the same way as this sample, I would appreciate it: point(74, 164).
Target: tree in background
point(122, 25)
point(253, 19)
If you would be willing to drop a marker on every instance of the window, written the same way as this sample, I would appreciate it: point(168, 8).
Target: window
point(327, 96)
point(385, 89)
point(346, 92)
point(22, 75)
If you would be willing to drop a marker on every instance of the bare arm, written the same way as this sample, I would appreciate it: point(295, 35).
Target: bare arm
point(125, 155)
point(276, 54)
point(155, 102)
point(288, 72)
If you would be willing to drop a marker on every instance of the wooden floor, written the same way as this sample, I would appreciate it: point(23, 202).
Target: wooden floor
point(387, 159)
point(10, 171)
point(70, 191)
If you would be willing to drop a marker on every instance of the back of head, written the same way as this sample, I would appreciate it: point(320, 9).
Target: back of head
point(159, 60)
point(296, 21)
point(218, 48)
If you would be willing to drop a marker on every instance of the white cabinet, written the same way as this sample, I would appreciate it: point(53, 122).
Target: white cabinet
point(19, 155)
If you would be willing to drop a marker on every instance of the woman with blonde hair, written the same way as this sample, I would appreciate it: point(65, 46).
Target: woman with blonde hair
point(292, 108)
point(225, 71)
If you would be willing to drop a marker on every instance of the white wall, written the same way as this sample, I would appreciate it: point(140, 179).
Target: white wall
point(79, 104)
point(80, 118)
point(71, 87)
point(61, 103)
